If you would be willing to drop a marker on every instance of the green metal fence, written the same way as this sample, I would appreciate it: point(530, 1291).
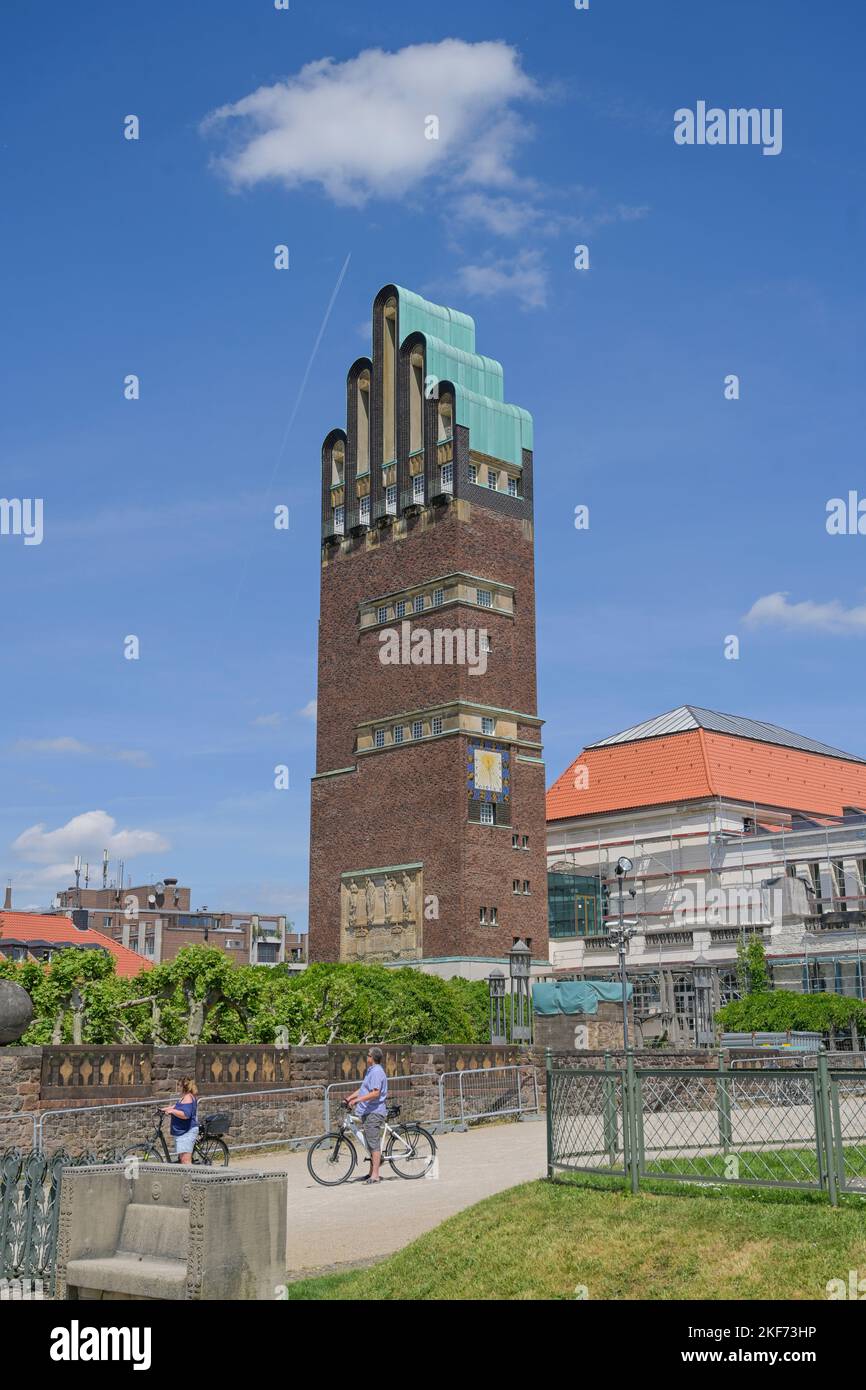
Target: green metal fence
point(759, 1126)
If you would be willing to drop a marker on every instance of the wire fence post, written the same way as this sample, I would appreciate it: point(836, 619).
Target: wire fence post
point(548, 1078)
point(610, 1117)
point(630, 1102)
point(723, 1105)
point(441, 1089)
point(828, 1157)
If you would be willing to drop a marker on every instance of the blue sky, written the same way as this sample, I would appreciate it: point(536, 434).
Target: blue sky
point(155, 257)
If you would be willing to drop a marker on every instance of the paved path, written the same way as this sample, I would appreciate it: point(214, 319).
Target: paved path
point(330, 1226)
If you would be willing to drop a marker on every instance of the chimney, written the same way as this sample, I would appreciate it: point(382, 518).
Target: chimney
point(7, 901)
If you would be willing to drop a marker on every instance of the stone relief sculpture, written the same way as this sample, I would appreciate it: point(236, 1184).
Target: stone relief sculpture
point(388, 893)
point(386, 925)
point(408, 914)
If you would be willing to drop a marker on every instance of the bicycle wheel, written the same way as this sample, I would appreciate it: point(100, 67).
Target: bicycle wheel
point(331, 1160)
point(144, 1152)
point(213, 1153)
point(411, 1151)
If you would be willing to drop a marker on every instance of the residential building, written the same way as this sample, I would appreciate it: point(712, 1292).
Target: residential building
point(156, 920)
point(38, 936)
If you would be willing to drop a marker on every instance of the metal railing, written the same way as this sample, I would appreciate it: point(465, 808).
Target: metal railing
point(281, 1116)
point(258, 1119)
point(760, 1126)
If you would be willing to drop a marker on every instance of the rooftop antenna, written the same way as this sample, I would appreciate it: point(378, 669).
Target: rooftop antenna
point(78, 880)
point(105, 868)
point(86, 875)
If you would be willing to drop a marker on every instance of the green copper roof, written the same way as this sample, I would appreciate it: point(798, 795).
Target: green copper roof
point(495, 427)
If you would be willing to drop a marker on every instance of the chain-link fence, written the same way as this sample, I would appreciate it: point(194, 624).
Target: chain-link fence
point(763, 1126)
point(488, 1093)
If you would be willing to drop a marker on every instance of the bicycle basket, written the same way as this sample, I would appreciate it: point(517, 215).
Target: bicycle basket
point(213, 1126)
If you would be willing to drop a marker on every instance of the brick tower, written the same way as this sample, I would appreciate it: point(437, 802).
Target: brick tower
point(428, 820)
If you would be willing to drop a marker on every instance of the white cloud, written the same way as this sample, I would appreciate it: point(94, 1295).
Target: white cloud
point(833, 617)
point(267, 721)
point(74, 746)
point(88, 835)
point(357, 128)
point(507, 216)
point(523, 275)
point(309, 710)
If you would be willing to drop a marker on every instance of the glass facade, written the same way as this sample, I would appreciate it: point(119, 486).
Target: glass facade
point(574, 905)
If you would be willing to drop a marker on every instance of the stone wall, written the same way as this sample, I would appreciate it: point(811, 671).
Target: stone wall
point(579, 1033)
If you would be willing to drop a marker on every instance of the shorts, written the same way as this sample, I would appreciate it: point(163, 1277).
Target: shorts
point(373, 1126)
point(185, 1143)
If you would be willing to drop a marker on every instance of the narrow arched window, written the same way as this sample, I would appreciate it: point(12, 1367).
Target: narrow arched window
point(363, 422)
point(416, 402)
point(445, 415)
point(338, 464)
point(389, 381)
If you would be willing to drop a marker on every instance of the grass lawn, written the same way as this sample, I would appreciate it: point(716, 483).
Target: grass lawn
point(542, 1240)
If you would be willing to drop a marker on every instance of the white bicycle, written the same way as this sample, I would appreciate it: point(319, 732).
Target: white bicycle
point(409, 1148)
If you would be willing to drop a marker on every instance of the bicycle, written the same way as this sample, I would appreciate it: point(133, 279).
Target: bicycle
point(409, 1148)
point(209, 1149)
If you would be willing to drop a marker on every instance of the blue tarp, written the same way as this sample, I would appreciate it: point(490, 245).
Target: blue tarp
point(575, 996)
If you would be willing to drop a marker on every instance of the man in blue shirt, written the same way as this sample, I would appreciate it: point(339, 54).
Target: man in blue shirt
point(371, 1099)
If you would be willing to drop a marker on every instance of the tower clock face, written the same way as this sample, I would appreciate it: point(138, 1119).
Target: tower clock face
point(488, 770)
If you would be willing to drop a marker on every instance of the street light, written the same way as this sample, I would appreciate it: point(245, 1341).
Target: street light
point(620, 937)
point(519, 962)
point(496, 990)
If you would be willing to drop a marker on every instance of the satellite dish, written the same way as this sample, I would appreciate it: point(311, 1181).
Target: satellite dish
point(151, 900)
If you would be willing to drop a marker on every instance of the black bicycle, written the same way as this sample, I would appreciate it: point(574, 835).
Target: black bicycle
point(210, 1149)
point(409, 1148)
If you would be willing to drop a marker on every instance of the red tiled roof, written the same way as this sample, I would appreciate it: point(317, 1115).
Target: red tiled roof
point(33, 926)
point(696, 764)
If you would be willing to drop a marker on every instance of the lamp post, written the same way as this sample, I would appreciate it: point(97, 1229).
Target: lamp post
point(620, 936)
point(496, 990)
point(519, 961)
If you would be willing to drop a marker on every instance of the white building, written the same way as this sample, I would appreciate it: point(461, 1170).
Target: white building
point(733, 827)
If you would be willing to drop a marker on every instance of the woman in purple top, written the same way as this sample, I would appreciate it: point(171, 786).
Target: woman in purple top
point(184, 1119)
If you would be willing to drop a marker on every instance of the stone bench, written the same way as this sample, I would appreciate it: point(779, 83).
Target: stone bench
point(161, 1231)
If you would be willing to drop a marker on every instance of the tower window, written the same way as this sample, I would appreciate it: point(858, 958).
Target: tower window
point(362, 397)
point(494, 916)
point(391, 500)
point(338, 465)
point(339, 520)
point(488, 726)
point(416, 403)
point(485, 643)
point(515, 844)
point(379, 738)
point(365, 510)
point(446, 477)
point(438, 598)
point(417, 729)
point(418, 603)
point(488, 813)
point(400, 609)
point(526, 885)
point(446, 416)
point(473, 473)
point(397, 733)
point(482, 916)
point(524, 843)
point(436, 725)
point(491, 480)
point(484, 598)
point(381, 615)
point(512, 487)
point(418, 488)
point(515, 885)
